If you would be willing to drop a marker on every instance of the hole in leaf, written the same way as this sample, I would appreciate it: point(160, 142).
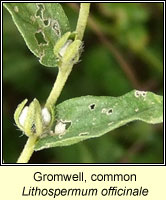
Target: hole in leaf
point(140, 93)
point(137, 93)
point(84, 134)
point(46, 22)
point(92, 106)
point(40, 38)
point(68, 124)
point(110, 111)
point(55, 26)
point(39, 12)
point(144, 94)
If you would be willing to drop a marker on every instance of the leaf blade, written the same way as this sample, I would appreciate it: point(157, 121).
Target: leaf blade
point(48, 20)
point(92, 116)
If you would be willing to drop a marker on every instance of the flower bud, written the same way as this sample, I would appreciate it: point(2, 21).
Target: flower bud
point(32, 119)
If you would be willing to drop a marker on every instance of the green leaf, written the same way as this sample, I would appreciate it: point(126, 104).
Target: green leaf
point(41, 25)
point(90, 117)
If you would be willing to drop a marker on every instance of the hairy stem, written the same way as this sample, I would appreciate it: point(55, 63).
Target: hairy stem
point(62, 76)
point(82, 20)
point(28, 149)
point(57, 88)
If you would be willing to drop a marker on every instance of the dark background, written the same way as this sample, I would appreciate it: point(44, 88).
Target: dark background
point(123, 50)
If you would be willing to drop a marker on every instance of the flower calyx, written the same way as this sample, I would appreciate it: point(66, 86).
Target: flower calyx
point(33, 119)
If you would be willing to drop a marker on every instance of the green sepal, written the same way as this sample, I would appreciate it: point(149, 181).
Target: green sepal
point(51, 109)
point(71, 55)
point(38, 118)
point(29, 127)
point(17, 113)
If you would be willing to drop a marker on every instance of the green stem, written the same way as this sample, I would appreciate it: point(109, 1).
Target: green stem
point(28, 149)
point(57, 88)
point(82, 20)
point(62, 76)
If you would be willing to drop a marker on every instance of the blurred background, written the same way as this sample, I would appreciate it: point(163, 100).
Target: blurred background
point(123, 50)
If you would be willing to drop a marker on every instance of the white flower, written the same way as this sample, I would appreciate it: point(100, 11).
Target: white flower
point(60, 128)
point(46, 116)
point(23, 116)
